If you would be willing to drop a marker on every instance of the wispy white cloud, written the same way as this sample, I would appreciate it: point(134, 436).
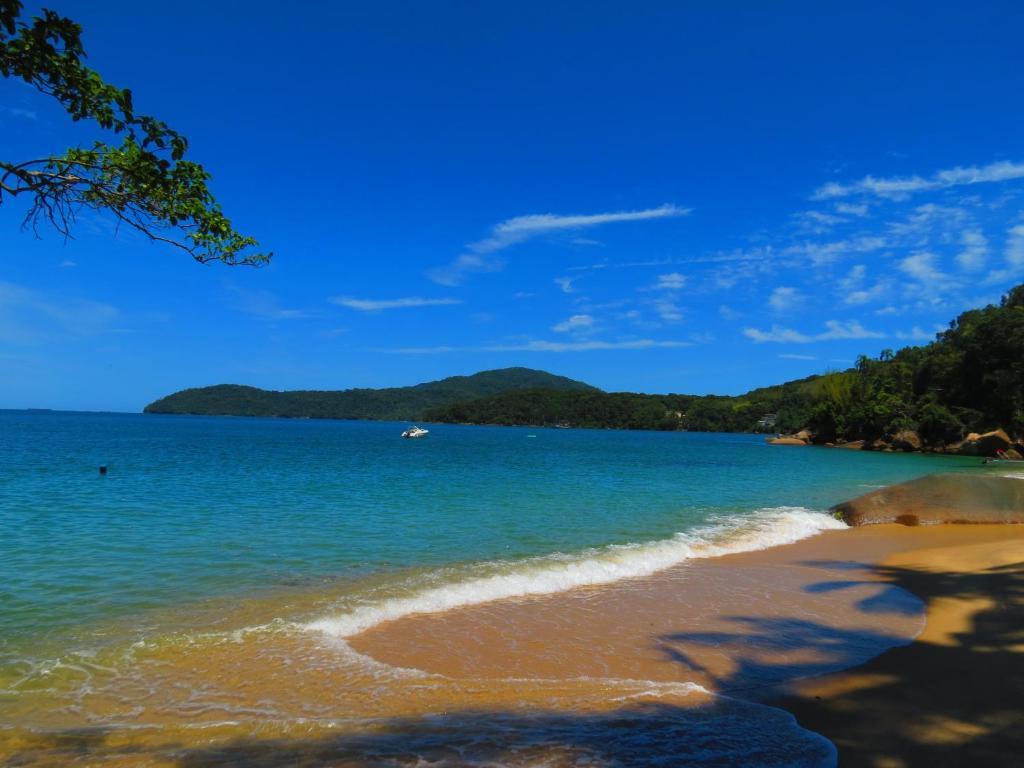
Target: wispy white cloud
point(921, 266)
point(26, 114)
point(915, 334)
point(854, 278)
point(1015, 246)
point(797, 357)
point(521, 228)
point(539, 345)
point(455, 272)
point(671, 281)
point(784, 298)
point(264, 304)
point(479, 256)
point(377, 305)
point(565, 283)
point(972, 258)
point(28, 316)
point(1013, 255)
point(849, 330)
point(860, 210)
point(665, 305)
point(67, 264)
point(853, 291)
point(626, 264)
point(834, 330)
point(826, 253)
point(927, 222)
point(898, 188)
point(817, 222)
point(574, 323)
point(867, 295)
point(668, 310)
point(777, 334)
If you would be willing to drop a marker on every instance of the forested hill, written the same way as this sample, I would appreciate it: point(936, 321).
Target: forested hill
point(970, 379)
point(398, 403)
point(790, 403)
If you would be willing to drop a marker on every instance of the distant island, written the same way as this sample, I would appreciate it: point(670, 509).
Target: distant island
point(391, 404)
point(970, 379)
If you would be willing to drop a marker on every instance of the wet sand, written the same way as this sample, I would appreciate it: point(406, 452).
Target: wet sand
point(748, 625)
point(736, 622)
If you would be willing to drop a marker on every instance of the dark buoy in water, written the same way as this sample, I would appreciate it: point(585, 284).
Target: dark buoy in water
point(103, 469)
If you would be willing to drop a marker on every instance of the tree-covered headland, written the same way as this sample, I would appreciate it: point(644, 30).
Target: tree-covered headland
point(970, 379)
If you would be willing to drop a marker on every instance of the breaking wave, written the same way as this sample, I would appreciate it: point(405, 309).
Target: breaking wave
point(549, 574)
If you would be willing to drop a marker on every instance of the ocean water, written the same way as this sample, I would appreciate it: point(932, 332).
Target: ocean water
point(331, 527)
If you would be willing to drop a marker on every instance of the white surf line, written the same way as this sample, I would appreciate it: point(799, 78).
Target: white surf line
point(551, 574)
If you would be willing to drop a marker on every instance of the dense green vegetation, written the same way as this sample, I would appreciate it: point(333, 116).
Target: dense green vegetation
point(144, 180)
point(971, 378)
point(396, 403)
point(626, 410)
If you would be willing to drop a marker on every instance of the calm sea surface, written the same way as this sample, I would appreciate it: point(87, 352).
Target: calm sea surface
point(196, 509)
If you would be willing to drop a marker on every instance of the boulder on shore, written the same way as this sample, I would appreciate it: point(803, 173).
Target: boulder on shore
point(945, 498)
point(786, 440)
point(853, 445)
point(992, 442)
point(906, 440)
point(987, 444)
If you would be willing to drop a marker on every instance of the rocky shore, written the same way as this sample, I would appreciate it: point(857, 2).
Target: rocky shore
point(996, 443)
point(960, 497)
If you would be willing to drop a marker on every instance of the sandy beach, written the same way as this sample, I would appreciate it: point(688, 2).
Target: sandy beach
point(951, 697)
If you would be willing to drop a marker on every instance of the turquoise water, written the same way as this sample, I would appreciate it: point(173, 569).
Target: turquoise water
point(196, 508)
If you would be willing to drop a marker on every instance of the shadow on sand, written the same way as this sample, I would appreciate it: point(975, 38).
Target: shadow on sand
point(723, 733)
point(954, 698)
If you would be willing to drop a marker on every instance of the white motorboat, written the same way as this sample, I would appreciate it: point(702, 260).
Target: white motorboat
point(415, 432)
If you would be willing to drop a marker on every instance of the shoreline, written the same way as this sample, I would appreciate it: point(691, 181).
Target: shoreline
point(901, 705)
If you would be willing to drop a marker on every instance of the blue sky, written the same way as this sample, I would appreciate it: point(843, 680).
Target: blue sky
point(659, 197)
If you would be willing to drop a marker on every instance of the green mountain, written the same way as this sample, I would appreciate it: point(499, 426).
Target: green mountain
point(397, 403)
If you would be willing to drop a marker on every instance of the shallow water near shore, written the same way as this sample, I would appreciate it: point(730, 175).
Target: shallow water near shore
point(221, 575)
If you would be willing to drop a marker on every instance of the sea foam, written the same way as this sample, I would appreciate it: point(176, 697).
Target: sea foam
point(559, 572)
